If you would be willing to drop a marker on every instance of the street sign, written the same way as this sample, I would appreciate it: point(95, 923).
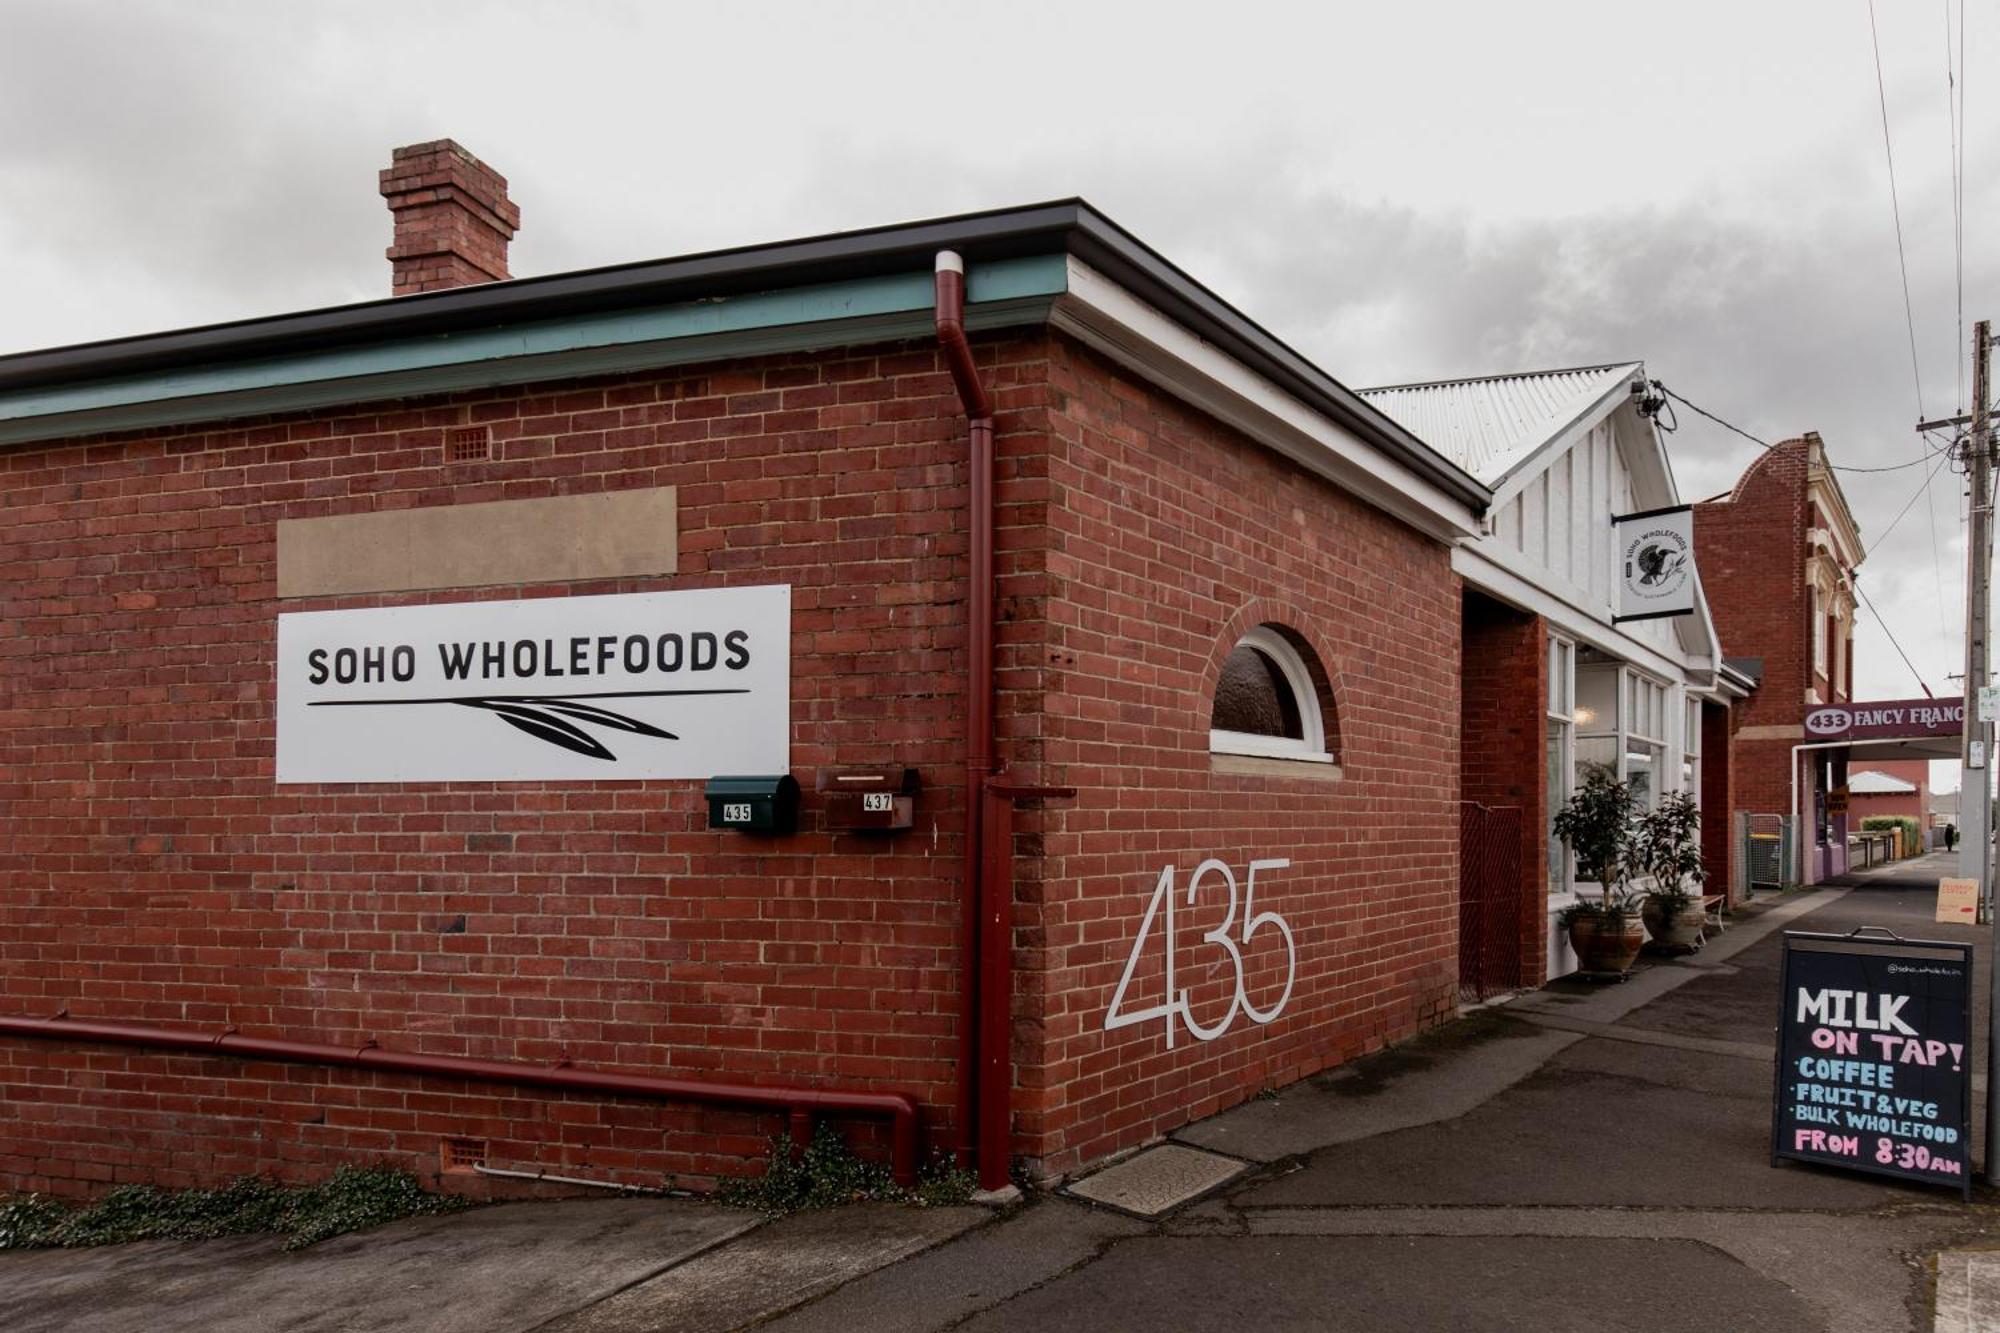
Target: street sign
point(1989, 703)
point(1874, 1065)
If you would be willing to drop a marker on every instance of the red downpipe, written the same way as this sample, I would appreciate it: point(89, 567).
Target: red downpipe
point(979, 765)
point(800, 1103)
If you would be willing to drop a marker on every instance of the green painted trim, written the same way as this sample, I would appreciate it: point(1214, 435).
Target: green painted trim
point(1002, 294)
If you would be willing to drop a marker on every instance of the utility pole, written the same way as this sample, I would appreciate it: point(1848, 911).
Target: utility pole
point(1975, 813)
point(1976, 781)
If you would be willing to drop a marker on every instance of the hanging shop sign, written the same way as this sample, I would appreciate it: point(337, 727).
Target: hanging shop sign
point(1893, 719)
point(1875, 1058)
point(1655, 564)
point(634, 686)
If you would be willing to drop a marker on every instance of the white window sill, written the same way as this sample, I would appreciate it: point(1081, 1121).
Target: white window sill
point(1265, 747)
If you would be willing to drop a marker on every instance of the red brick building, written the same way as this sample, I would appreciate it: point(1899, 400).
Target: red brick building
point(1224, 618)
point(1778, 555)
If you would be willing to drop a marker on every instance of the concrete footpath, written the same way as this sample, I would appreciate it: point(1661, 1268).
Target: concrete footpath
point(1581, 1158)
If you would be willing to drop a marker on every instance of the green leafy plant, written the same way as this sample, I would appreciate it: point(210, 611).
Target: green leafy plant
point(1597, 825)
point(1664, 846)
point(1912, 839)
point(352, 1199)
point(828, 1174)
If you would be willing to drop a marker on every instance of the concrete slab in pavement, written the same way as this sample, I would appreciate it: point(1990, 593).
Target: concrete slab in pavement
point(771, 1270)
point(493, 1270)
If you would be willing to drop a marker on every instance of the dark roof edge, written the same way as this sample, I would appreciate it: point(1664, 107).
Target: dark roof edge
point(1071, 225)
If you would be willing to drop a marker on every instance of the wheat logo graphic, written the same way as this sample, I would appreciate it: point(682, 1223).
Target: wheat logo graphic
point(556, 719)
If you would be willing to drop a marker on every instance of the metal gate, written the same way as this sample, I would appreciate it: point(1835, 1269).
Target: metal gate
point(1489, 899)
point(1769, 851)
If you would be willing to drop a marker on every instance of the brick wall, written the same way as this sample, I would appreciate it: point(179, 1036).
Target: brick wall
point(1504, 751)
point(1751, 551)
point(1172, 537)
point(153, 873)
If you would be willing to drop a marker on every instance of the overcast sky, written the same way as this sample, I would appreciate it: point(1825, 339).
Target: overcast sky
point(1402, 191)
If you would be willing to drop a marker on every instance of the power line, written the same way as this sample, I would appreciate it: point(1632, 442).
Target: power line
point(1910, 503)
point(1921, 492)
point(1896, 209)
point(1892, 641)
point(1765, 444)
point(1903, 266)
point(1955, 108)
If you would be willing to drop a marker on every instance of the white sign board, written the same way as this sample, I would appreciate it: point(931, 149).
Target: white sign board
point(1989, 703)
point(640, 685)
point(1655, 564)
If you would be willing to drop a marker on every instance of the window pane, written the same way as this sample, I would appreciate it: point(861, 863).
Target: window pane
point(1558, 793)
point(1252, 696)
point(1642, 772)
point(1596, 699)
point(1594, 753)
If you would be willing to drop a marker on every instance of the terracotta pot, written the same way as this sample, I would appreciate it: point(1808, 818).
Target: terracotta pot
point(1606, 946)
point(1681, 933)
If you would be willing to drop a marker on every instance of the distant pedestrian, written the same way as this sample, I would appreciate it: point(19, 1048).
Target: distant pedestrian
point(1950, 836)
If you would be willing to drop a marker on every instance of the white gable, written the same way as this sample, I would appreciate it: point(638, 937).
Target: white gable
point(1565, 451)
point(1491, 427)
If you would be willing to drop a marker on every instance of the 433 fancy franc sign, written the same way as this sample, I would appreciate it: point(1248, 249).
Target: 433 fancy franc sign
point(1655, 563)
point(634, 686)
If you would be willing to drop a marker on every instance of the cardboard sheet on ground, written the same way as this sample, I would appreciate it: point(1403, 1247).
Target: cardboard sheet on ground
point(1958, 901)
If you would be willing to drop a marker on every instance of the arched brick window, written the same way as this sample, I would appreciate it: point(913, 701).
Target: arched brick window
point(1267, 700)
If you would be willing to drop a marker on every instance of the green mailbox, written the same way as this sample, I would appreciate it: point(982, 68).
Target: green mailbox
point(760, 804)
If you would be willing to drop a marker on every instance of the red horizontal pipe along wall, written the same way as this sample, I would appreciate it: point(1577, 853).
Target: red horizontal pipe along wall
point(901, 1111)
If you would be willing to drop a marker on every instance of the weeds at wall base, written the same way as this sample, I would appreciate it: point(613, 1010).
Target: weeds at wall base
point(828, 1174)
point(352, 1199)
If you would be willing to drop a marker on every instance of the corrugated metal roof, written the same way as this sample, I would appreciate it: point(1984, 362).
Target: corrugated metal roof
point(1490, 426)
point(1871, 783)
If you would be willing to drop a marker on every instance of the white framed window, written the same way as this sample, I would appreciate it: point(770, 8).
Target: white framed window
point(1691, 752)
point(1842, 629)
point(1819, 634)
point(1266, 703)
point(1645, 738)
point(1561, 737)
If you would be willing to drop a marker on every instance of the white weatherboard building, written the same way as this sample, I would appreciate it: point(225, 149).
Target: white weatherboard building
point(1566, 451)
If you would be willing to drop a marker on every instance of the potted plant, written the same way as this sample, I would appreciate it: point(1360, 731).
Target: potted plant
point(1596, 824)
point(1664, 847)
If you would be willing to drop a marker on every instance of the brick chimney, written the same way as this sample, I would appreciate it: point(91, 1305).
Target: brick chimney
point(453, 220)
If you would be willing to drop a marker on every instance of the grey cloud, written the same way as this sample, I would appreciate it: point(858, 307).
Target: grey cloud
point(139, 158)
